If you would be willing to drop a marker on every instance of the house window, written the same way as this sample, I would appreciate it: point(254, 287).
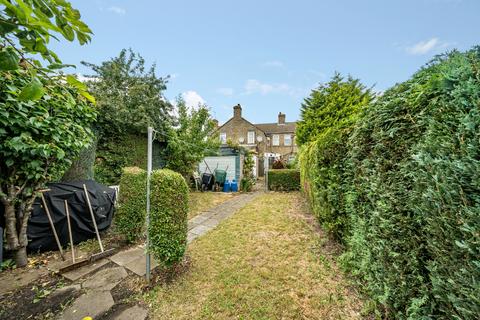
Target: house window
point(251, 137)
point(276, 140)
point(223, 137)
point(287, 139)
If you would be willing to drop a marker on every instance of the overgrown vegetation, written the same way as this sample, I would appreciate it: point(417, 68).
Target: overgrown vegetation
point(131, 212)
point(283, 180)
point(168, 216)
point(44, 117)
point(412, 192)
point(327, 120)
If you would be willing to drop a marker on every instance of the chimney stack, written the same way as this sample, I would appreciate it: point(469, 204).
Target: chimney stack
point(281, 118)
point(237, 111)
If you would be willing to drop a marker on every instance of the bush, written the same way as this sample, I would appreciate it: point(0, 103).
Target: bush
point(168, 216)
point(283, 180)
point(414, 200)
point(130, 216)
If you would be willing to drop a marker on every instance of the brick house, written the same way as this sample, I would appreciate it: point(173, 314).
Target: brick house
point(263, 139)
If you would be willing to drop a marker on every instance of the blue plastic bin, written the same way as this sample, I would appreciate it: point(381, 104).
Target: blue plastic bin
point(234, 186)
point(226, 186)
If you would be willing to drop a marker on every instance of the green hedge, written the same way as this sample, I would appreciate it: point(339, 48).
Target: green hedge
point(408, 192)
point(324, 179)
point(415, 197)
point(283, 179)
point(130, 217)
point(168, 216)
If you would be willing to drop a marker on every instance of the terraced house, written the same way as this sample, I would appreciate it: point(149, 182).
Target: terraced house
point(266, 140)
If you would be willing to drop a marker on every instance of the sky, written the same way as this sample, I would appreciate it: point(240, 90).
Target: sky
point(268, 55)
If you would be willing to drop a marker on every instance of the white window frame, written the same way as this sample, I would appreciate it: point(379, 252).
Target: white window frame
point(276, 140)
point(223, 137)
point(251, 137)
point(287, 138)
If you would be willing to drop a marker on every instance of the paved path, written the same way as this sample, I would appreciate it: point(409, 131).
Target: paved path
point(97, 299)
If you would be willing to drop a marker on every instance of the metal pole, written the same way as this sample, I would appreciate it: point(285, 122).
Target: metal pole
point(149, 171)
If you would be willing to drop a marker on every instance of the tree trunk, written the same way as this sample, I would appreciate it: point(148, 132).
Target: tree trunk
point(21, 257)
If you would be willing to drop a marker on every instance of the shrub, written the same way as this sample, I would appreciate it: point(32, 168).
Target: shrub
point(283, 180)
point(279, 164)
point(415, 195)
point(168, 216)
point(130, 217)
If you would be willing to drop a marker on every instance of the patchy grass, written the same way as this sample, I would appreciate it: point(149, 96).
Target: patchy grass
point(202, 201)
point(266, 262)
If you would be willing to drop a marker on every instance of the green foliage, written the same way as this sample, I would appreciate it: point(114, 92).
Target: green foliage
point(247, 182)
point(114, 155)
point(414, 200)
point(82, 166)
point(330, 105)
point(328, 117)
point(191, 139)
point(168, 217)
point(129, 97)
point(130, 216)
point(26, 26)
point(40, 136)
point(283, 180)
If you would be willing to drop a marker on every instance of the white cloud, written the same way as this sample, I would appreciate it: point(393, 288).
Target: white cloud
point(118, 10)
point(192, 99)
point(256, 86)
point(83, 78)
point(273, 63)
point(225, 91)
point(424, 47)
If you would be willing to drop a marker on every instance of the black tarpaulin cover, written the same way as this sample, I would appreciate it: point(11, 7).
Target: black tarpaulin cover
point(102, 198)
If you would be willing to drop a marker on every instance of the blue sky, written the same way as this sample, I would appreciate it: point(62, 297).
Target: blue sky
point(267, 55)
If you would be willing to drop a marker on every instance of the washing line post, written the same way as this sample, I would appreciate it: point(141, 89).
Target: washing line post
point(149, 172)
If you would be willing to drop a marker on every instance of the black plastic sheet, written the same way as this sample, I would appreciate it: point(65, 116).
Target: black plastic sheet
point(102, 198)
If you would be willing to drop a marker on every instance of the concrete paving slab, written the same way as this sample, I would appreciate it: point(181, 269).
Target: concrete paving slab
point(106, 279)
point(92, 304)
point(76, 274)
point(133, 313)
point(191, 237)
point(200, 230)
point(198, 219)
point(124, 257)
point(211, 223)
point(139, 265)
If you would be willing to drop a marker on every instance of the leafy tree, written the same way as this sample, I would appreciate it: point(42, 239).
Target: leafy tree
point(248, 180)
point(129, 99)
point(330, 105)
point(129, 96)
point(40, 133)
point(27, 26)
point(44, 117)
point(191, 139)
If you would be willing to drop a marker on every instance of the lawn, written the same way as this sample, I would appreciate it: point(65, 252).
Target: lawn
point(202, 201)
point(266, 262)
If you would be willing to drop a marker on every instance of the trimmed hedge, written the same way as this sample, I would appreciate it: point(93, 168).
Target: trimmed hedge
point(168, 216)
point(415, 198)
point(130, 216)
point(283, 180)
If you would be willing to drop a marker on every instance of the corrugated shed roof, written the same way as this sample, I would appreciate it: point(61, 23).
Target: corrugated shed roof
point(288, 127)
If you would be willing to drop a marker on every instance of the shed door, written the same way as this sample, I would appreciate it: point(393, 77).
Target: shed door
point(223, 163)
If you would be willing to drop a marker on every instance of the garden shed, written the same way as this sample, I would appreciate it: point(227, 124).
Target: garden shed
point(228, 159)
